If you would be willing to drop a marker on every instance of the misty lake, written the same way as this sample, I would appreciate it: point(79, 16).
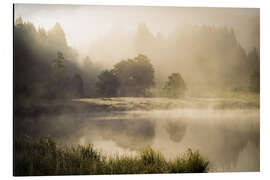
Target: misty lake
point(228, 138)
point(134, 81)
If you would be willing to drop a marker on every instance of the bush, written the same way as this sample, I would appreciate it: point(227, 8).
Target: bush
point(175, 86)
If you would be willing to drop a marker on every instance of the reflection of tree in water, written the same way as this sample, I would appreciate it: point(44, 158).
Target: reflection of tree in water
point(176, 130)
point(130, 134)
point(53, 126)
point(234, 141)
point(223, 142)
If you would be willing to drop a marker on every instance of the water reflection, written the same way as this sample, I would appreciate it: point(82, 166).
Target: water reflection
point(127, 133)
point(176, 130)
point(229, 139)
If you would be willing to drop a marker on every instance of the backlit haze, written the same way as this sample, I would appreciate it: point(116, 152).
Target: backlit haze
point(84, 24)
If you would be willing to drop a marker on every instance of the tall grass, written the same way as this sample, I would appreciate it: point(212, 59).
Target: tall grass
point(41, 156)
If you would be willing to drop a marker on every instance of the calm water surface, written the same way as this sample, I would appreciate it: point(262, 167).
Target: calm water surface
point(229, 139)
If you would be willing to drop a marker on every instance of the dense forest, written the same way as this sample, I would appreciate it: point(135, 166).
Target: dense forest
point(46, 67)
point(207, 57)
point(201, 57)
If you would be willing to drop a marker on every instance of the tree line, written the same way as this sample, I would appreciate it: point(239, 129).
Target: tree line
point(208, 57)
point(47, 67)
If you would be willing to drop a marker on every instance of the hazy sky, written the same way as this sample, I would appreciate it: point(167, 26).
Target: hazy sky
point(84, 24)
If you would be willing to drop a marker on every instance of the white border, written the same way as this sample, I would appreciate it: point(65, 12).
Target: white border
point(182, 3)
point(6, 46)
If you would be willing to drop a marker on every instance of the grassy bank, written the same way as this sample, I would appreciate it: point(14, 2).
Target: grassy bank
point(129, 103)
point(41, 156)
point(218, 101)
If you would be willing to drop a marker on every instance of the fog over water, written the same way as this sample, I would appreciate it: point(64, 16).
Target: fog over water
point(215, 50)
point(229, 139)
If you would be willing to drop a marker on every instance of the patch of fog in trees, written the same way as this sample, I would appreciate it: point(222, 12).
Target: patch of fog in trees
point(208, 58)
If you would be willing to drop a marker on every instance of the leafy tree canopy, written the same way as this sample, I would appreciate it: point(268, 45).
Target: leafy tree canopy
point(131, 77)
point(135, 76)
point(107, 84)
